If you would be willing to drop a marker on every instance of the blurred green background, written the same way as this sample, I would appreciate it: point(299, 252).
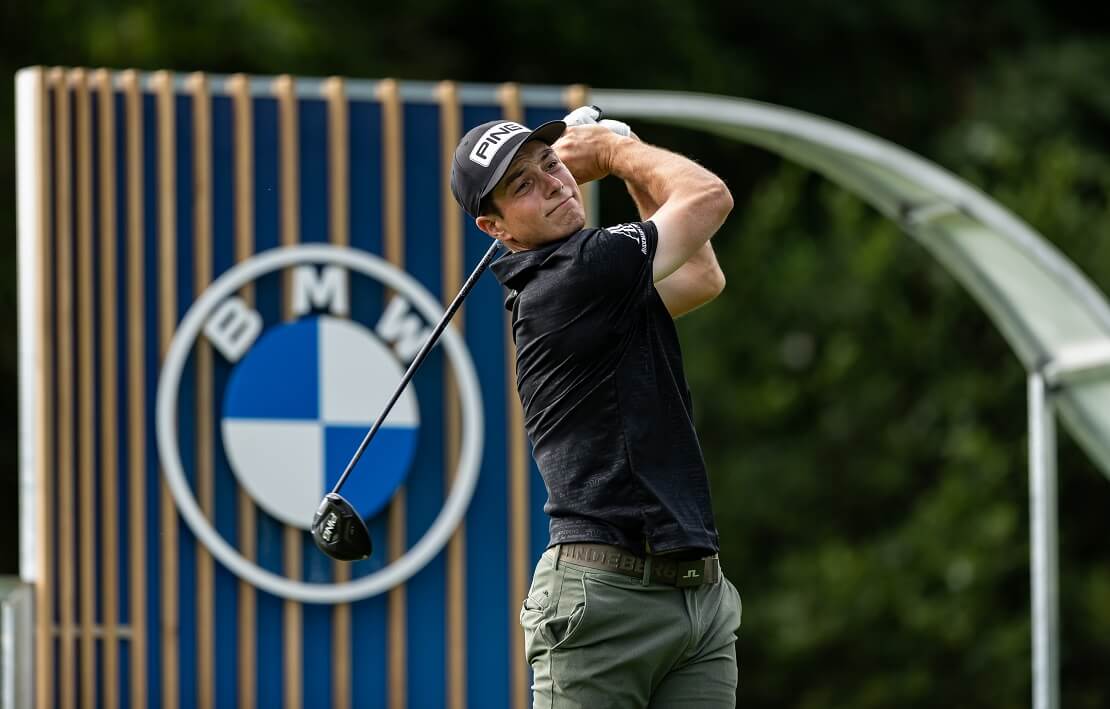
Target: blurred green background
point(863, 421)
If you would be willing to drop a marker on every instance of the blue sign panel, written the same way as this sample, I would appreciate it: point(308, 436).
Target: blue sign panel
point(231, 275)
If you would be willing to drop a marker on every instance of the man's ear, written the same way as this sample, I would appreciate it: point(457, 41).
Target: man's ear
point(496, 228)
point(491, 226)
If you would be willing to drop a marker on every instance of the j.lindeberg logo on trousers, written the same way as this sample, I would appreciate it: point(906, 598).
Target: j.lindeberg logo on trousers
point(492, 140)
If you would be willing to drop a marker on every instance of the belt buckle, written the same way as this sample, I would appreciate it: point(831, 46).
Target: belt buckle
point(690, 573)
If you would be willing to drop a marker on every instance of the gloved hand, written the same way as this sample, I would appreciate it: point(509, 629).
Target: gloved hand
point(584, 115)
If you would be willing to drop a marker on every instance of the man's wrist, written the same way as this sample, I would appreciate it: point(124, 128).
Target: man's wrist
point(616, 145)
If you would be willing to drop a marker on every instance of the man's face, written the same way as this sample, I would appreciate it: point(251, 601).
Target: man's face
point(538, 200)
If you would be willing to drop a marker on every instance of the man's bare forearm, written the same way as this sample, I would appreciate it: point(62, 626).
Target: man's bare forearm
point(645, 205)
point(654, 175)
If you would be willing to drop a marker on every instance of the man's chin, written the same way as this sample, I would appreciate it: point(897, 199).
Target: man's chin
point(562, 229)
point(576, 220)
point(569, 228)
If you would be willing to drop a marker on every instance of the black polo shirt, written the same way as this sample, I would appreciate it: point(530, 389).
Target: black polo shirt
point(606, 404)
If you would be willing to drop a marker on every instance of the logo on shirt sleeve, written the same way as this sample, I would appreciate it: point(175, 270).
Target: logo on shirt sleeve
point(634, 232)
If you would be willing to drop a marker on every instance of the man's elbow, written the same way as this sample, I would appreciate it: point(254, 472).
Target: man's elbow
point(719, 199)
point(715, 283)
point(712, 283)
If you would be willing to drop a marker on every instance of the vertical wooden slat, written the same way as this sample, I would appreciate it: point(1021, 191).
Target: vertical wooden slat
point(44, 425)
point(576, 95)
point(109, 381)
point(67, 677)
point(205, 403)
point(85, 419)
point(293, 639)
point(394, 246)
point(339, 177)
point(167, 322)
point(136, 389)
point(338, 169)
point(239, 88)
point(517, 452)
point(450, 129)
point(285, 90)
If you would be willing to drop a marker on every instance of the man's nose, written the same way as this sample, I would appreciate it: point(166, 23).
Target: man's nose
point(552, 183)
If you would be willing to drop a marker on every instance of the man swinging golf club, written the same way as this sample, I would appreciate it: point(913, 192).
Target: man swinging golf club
point(628, 606)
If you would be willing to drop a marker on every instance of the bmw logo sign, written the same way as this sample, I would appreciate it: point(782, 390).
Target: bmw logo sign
point(301, 396)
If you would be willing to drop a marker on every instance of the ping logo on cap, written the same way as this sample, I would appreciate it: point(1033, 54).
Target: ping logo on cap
point(492, 140)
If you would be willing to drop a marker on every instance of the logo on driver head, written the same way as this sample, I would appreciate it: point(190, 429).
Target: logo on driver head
point(329, 527)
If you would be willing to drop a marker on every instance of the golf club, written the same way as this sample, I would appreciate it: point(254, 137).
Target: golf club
point(337, 528)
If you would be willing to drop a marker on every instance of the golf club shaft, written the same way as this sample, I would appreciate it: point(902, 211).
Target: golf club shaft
point(420, 356)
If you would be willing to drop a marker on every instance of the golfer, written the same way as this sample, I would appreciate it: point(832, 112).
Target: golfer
point(628, 606)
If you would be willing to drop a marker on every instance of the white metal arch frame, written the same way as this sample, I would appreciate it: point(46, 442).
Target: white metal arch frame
point(1057, 322)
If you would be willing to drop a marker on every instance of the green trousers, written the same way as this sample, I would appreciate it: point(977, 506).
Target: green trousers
point(600, 640)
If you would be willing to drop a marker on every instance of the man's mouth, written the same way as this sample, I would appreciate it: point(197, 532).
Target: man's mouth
point(557, 206)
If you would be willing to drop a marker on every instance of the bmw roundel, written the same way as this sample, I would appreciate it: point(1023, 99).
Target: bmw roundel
point(300, 395)
point(297, 406)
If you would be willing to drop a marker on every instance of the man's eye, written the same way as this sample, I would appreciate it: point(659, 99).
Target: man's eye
point(551, 164)
point(522, 186)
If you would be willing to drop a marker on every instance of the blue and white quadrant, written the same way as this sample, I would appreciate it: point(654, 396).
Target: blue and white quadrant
point(298, 404)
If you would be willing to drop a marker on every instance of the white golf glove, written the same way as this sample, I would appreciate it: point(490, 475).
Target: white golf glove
point(585, 115)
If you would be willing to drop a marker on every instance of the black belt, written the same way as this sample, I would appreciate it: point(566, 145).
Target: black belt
point(651, 568)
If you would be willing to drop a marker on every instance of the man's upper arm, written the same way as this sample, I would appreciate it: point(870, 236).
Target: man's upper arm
point(684, 224)
point(694, 284)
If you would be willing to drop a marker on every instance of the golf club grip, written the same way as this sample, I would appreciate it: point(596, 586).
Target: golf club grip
point(420, 356)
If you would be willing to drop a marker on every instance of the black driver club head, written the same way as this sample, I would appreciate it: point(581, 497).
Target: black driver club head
point(339, 531)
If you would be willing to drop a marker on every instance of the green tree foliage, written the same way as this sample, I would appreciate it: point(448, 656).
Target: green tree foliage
point(863, 420)
point(865, 424)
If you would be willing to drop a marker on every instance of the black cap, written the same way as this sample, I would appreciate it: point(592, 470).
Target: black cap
point(484, 154)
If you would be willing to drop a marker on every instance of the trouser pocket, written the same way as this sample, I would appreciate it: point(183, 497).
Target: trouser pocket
point(569, 615)
point(538, 605)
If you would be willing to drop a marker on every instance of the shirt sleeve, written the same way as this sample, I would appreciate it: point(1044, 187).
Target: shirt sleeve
point(619, 259)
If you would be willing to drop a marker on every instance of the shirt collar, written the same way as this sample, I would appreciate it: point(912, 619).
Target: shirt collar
point(510, 268)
